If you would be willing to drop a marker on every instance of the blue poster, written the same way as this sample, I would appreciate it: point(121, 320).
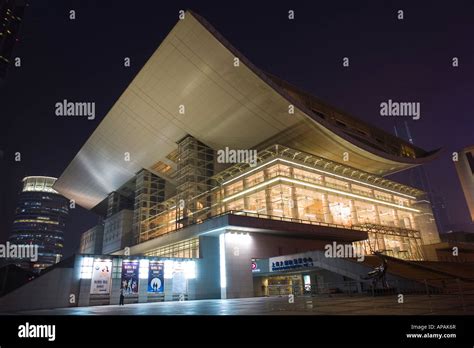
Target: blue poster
point(155, 276)
point(130, 277)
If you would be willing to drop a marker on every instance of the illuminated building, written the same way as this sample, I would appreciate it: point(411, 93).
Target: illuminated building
point(91, 240)
point(319, 174)
point(40, 219)
point(419, 177)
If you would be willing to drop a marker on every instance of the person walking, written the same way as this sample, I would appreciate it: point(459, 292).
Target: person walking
point(122, 297)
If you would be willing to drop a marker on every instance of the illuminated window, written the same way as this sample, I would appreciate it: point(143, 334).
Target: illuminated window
point(382, 195)
point(361, 190)
point(335, 183)
point(185, 249)
point(143, 269)
point(116, 268)
point(254, 179)
point(86, 267)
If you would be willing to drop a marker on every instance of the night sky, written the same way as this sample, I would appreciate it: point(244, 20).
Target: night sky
point(82, 60)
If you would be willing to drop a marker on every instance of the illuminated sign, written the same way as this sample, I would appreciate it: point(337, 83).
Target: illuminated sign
point(291, 262)
point(187, 267)
point(307, 282)
point(156, 277)
point(130, 277)
point(101, 277)
point(255, 268)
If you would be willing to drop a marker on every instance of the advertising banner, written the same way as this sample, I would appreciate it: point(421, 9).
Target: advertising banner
point(179, 282)
point(155, 276)
point(180, 272)
point(130, 277)
point(101, 277)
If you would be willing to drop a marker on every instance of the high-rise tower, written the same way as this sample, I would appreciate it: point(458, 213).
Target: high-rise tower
point(11, 14)
point(40, 219)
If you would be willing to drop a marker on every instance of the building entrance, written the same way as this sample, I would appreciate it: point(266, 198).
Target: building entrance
point(285, 285)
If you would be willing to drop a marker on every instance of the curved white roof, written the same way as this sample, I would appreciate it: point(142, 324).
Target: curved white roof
point(224, 106)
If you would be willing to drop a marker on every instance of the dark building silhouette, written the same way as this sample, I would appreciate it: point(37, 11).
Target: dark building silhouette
point(40, 219)
point(11, 14)
point(465, 170)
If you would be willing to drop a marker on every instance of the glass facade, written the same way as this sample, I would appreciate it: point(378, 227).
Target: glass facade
point(188, 248)
point(290, 185)
point(292, 192)
point(40, 219)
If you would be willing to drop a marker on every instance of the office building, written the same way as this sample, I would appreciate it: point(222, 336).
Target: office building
point(40, 219)
point(11, 14)
point(91, 240)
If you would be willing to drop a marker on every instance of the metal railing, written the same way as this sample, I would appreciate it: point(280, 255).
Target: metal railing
point(360, 227)
point(264, 216)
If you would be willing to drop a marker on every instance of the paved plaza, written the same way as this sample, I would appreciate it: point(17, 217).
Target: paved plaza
point(323, 305)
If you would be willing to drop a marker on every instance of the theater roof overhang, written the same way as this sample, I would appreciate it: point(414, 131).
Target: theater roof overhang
point(224, 106)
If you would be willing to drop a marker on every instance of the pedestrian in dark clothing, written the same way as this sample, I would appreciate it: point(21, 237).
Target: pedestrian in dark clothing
point(122, 297)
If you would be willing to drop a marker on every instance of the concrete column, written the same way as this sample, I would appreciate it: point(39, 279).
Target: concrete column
point(294, 198)
point(396, 218)
point(412, 222)
point(381, 241)
point(142, 290)
point(224, 195)
point(168, 289)
point(191, 289)
point(115, 291)
point(207, 283)
point(354, 217)
point(326, 211)
point(377, 215)
point(268, 197)
point(238, 258)
point(246, 197)
point(84, 292)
